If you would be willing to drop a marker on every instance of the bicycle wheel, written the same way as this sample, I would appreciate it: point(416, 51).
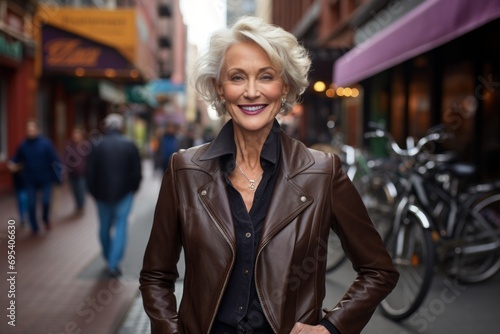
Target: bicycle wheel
point(412, 250)
point(336, 254)
point(479, 256)
point(379, 197)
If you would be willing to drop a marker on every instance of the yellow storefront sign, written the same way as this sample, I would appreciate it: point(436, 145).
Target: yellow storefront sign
point(116, 28)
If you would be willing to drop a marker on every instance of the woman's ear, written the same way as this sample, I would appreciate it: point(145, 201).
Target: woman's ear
point(285, 90)
point(218, 88)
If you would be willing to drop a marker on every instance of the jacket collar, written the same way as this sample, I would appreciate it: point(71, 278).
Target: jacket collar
point(288, 200)
point(224, 144)
point(295, 156)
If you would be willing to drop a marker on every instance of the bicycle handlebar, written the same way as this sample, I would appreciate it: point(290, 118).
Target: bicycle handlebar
point(410, 152)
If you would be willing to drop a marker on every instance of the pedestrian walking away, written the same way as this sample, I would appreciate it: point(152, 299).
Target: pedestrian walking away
point(39, 165)
point(20, 190)
point(169, 143)
point(252, 210)
point(113, 175)
point(75, 155)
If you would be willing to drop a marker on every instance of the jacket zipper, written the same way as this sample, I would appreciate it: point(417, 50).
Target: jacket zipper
point(230, 269)
point(275, 330)
point(258, 291)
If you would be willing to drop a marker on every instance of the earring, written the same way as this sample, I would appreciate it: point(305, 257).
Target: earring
point(223, 102)
point(283, 102)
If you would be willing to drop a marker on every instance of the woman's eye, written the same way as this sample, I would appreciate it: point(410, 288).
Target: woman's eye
point(267, 77)
point(236, 78)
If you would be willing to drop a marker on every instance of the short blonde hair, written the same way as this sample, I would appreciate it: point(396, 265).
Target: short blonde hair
point(286, 54)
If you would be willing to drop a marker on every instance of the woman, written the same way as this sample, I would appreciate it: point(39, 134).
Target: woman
point(252, 210)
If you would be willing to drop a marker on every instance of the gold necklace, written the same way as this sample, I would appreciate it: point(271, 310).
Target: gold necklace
point(251, 184)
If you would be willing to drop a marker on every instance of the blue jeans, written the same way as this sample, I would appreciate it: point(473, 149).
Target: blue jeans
point(113, 229)
point(32, 190)
point(78, 187)
point(22, 204)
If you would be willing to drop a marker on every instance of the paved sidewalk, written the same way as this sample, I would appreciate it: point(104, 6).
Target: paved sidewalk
point(55, 292)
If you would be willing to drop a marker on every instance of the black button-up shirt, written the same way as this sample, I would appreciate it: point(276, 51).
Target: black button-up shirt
point(240, 310)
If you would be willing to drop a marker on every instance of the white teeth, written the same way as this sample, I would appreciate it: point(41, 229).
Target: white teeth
point(252, 108)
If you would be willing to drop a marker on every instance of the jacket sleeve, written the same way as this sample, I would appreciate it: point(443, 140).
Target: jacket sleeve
point(90, 173)
point(19, 156)
point(159, 271)
point(376, 275)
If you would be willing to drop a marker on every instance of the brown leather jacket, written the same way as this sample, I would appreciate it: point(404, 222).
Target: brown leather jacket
point(311, 195)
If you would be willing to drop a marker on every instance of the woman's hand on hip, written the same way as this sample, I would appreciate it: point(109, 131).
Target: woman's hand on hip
point(305, 329)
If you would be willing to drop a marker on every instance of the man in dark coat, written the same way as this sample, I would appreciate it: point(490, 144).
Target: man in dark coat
point(113, 176)
point(37, 160)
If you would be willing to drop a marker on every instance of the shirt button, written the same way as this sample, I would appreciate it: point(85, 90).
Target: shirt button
point(245, 271)
point(303, 199)
point(203, 193)
point(241, 308)
point(248, 234)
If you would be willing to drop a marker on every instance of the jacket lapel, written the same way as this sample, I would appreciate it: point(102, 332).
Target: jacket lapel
point(213, 195)
point(287, 202)
point(288, 199)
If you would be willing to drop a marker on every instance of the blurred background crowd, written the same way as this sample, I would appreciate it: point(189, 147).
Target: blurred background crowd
point(407, 65)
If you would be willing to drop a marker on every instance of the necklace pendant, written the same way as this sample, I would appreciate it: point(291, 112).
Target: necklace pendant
point(251, 184)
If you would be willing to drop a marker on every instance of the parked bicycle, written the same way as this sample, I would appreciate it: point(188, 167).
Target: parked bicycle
point(375, 186)
point(435, 223)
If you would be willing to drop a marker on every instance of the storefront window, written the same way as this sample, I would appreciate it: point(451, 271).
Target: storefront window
point(459, 107)
point(398, 111)
point(419, 116)
point(379, 105)
point(487, 91)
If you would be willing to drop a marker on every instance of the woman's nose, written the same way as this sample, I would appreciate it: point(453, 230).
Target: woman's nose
point(252, 89)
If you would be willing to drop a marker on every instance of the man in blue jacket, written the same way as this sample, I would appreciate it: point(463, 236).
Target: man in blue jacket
point(113, 176)
point(37, 160)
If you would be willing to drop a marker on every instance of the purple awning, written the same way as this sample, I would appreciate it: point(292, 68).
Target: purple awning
point(429, 25)
point(65, 51)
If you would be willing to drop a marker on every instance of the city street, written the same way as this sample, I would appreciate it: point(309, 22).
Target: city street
point(61, 286)
point(406, 92)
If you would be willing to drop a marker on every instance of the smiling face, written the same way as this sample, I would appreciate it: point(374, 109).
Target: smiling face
point(251, 87)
